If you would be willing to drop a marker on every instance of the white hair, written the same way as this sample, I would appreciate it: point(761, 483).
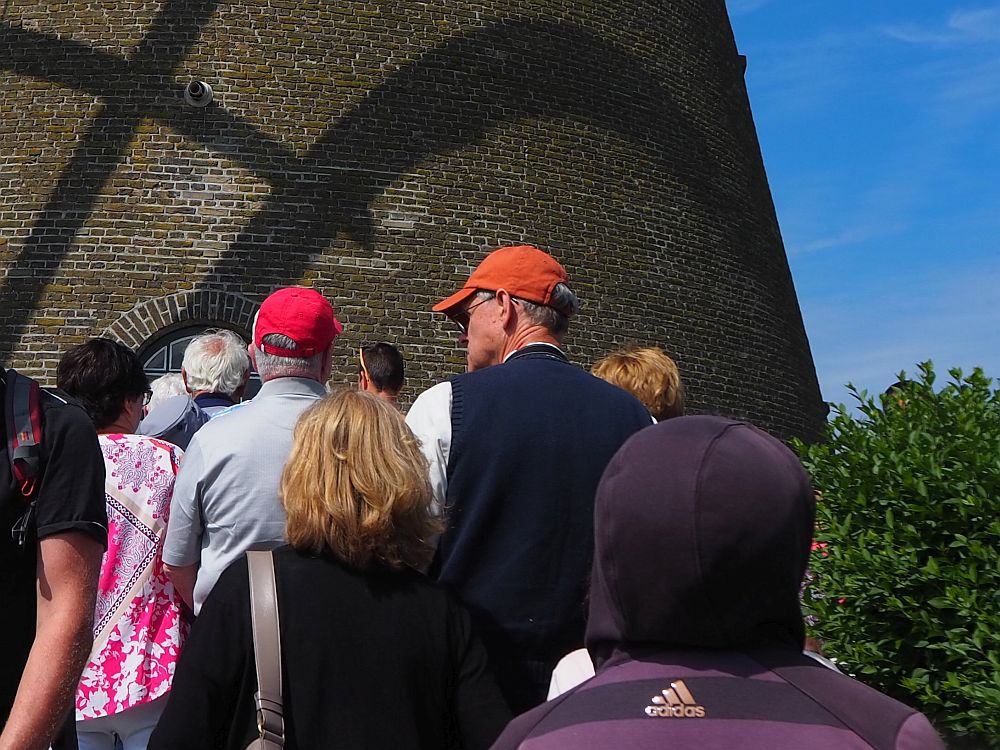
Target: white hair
point(216, 361)
point(271, 366)
point(164, 387)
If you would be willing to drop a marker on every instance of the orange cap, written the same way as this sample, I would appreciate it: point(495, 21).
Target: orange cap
point(524, 271)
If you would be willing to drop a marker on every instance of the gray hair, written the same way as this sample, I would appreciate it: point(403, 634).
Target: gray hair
point(216, 361)
point(271, 366)
point(165, 386)
point(555, 316)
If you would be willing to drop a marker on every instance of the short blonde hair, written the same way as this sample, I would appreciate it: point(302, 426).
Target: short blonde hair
point(649, 375)
point(356, 485)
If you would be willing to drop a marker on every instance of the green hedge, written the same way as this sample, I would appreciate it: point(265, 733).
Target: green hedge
point(907, 587)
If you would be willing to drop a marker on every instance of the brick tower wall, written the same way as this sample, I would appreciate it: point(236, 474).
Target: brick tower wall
point(376, 151)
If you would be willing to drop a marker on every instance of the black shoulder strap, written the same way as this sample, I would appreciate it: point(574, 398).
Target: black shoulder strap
point(23, 413)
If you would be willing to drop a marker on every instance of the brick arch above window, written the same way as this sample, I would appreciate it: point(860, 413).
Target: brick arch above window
point(153, 318)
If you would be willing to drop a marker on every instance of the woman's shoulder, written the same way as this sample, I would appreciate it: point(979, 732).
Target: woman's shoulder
point(310, 569)
point(119, 445)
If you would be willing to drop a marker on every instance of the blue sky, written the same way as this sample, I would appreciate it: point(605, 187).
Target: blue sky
point(880, 128)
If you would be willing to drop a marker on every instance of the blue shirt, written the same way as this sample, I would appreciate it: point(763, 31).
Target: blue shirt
point(226, 496)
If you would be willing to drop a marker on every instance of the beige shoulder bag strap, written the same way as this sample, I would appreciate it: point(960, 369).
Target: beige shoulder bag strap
point(267, 652)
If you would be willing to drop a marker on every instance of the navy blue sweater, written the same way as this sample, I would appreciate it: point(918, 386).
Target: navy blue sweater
point(530, 439)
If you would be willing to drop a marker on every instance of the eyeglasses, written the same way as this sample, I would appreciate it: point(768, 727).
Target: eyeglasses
point(462, 318)
point(147, 397)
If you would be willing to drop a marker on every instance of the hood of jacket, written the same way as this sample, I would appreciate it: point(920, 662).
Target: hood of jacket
point(702, 534)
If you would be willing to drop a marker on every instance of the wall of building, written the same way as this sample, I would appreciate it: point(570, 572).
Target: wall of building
point(376, 151)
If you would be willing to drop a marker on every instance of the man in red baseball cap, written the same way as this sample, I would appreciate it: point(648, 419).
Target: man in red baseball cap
point(516, 446)
point(226, 495)
point(299, 319)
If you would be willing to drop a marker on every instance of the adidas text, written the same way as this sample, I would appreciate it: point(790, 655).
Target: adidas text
point(676, 701)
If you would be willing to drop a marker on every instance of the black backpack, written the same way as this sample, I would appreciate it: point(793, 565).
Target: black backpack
point(23, 415)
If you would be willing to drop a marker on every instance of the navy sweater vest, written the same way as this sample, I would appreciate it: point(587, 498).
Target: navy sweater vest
point(530, 440)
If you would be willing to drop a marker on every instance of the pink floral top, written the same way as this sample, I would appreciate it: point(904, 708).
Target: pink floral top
point(138, 629)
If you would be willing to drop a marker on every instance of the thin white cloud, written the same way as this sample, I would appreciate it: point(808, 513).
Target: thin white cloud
point(790, 78)
point(870, 334)
point(948, 99)
point(744, 7)
point(836, 209)
point(975, 87)
point(969, 26)
point(850, 236)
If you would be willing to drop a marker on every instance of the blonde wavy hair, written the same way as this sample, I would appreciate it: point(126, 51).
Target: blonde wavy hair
point(649, 375)
point(356, 485)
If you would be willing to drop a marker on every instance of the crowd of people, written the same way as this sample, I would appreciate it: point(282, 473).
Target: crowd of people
point(535, 556)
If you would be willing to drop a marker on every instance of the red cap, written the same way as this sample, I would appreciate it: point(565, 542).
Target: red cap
point(301, 314)
point(524, 271)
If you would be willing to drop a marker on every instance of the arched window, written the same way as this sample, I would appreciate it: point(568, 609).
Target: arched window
point(164, 354)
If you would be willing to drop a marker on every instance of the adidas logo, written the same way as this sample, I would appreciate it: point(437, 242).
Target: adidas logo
point(676, 701)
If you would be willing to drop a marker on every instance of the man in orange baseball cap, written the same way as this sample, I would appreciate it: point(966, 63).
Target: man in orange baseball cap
point(516, 446)
point(494, 298)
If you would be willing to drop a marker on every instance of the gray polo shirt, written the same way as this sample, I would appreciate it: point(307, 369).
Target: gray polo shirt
point(226, 495)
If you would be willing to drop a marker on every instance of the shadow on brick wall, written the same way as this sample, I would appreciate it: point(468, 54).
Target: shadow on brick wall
point(130, 91)
point(446, 99)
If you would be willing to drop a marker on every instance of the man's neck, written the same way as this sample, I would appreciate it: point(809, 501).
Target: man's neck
point(526, 336)
point(388, 397)
point(121, 426)
point(537, 347)
point(296, 375)
point(213, 399)
point(291, 384)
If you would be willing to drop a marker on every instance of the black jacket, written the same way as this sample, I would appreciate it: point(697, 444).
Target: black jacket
point(369, 660)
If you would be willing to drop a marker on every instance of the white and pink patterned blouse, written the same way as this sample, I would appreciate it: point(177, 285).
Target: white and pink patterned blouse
point(138, 628)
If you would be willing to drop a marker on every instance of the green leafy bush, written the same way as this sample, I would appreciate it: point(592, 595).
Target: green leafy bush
point(907, 566)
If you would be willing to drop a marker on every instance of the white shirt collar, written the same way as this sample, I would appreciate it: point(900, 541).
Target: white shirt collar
point(533, 343)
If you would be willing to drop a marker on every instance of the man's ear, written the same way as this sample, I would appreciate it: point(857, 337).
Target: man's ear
point(508, 315)
point(133, 408)
point(327, 366)
point(238, 393)
point(184, 379)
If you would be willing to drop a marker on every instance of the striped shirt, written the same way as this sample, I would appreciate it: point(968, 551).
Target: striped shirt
point(718, 700)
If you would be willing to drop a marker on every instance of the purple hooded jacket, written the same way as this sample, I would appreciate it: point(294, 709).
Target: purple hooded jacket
point(702, 534)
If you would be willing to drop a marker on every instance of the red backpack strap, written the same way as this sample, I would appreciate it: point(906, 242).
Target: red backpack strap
point(23, 413)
